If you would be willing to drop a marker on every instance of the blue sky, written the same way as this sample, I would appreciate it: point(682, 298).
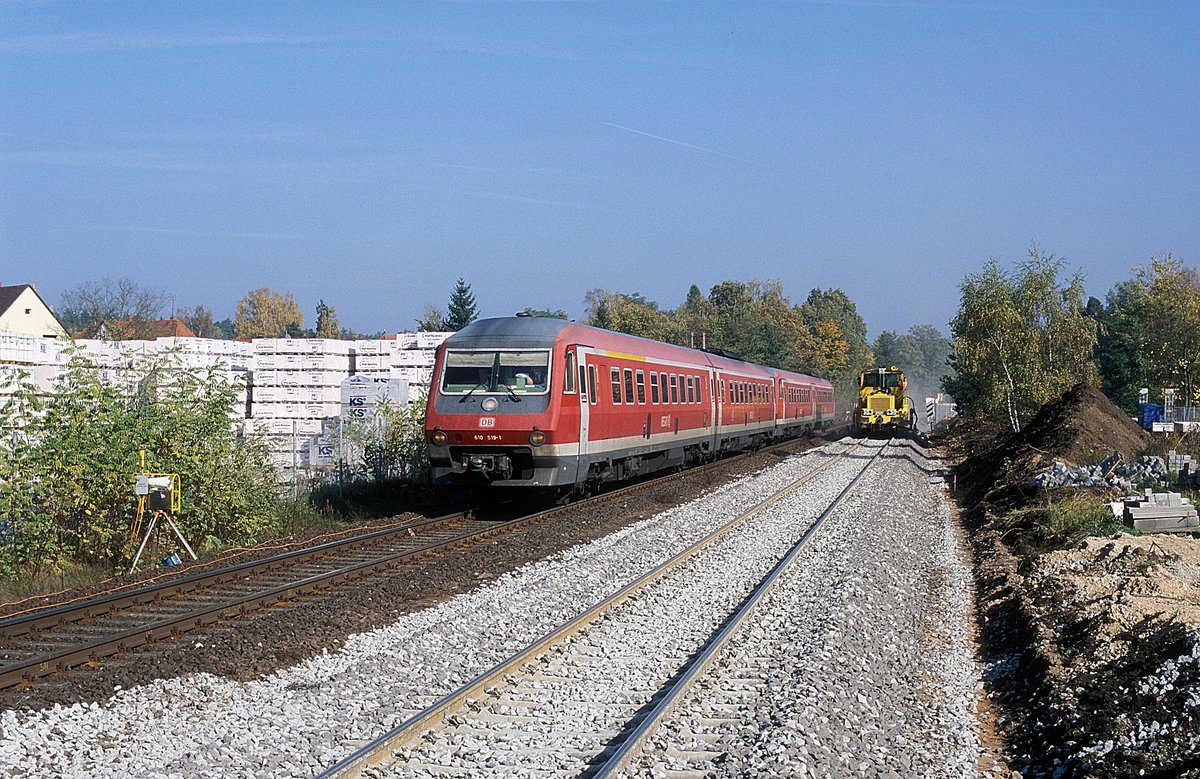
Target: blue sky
point(371, 153)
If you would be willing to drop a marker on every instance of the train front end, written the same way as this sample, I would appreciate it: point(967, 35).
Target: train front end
point(883, 405)
point(491, 417)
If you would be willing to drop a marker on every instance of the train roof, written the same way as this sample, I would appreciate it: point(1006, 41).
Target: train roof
point(545, 332)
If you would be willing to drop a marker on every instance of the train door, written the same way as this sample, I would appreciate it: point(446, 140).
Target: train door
point(585, 359)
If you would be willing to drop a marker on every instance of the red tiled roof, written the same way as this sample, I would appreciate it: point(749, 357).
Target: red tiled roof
point(128, 328)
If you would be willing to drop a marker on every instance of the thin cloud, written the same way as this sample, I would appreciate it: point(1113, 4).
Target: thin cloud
point(683, 144)
point(105, 41)
point(194, 233)
point(99, 159)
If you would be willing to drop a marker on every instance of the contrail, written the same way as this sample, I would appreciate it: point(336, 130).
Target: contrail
point(681, 143)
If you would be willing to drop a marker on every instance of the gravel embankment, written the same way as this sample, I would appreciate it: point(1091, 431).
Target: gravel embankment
point(556, 716)
point(889, 621)
point(856, 664)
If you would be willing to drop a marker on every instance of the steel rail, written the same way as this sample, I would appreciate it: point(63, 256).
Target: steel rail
point(96, 649)
point(171, 626)
point(94, 607)
point(665, 702)
point(412, 729)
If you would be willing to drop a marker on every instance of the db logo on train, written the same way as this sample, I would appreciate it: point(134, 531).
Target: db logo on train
point(487, 421)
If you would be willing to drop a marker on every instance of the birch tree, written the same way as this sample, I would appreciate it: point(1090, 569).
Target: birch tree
point(1020, 339)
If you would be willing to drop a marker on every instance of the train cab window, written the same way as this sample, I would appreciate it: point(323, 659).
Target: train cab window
point(523, 372)
point(583, 393)
point(654, 388)
point(628, 385)
point(615, 373)
point(674, 388)
point(593, 398)
point(569, 375)
point(641, 387)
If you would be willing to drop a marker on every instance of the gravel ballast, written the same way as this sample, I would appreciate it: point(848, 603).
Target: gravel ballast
point(300, 719)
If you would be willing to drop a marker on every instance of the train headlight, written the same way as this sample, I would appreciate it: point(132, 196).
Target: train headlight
point(537, 438)
point(439, 438)
point(866, 412)
point(891, 412)
point(489, 404)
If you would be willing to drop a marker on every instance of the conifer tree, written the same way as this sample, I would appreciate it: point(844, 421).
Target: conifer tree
point(462, 310)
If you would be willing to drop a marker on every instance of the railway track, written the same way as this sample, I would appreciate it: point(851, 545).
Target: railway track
point(59, 638)
point(585, 698)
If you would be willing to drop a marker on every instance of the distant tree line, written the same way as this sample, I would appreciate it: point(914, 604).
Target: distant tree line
point(1024, 336)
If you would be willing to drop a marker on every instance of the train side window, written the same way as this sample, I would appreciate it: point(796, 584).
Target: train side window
point(691, 389)
point(616, 385)
point(653, 387)
point(569, 375)
point(674, 388)
point(583, 382)
point(641, 387)
point(593, 398)
point(628, 385)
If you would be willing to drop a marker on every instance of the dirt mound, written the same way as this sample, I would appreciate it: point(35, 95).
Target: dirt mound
point(1080, 427)
point(1083, 426)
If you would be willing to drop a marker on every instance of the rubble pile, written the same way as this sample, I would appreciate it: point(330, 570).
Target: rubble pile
point(1146, 471)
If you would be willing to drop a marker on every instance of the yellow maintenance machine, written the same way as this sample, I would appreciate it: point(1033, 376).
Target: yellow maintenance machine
point(884, 408)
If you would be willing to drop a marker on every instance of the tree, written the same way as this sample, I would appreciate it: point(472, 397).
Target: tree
point(95, 303)
point(631, 314)
point(462, 310)
point(1167, 301)
point(921, 353)
point(1121, 350)
point(327, 321)
point(556, 313)
point(887, 348)
point(434, 321)
point(200, 321)
point(837, 307)
point(1019, 340)
point(265, 313)
point(226, 328)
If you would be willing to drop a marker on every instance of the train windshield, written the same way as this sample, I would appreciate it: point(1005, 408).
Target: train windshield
point(525, 372)
point(877, 379)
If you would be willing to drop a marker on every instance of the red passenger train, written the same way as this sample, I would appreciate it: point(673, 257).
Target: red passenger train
point(536, 402)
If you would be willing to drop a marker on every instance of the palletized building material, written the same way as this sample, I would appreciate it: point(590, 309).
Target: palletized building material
point(422, 357)
point(16, 348)
point(309, 346)
point(371, 362)
point(303, 362)
point(314, 411)
point(431, 340)
point(296, 394)
point(413, 374)
point(284, 378)
point(279, 429)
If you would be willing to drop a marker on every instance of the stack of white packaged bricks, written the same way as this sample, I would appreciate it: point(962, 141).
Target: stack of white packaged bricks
point(296, 385)
point(414, 356)
point(373, 357)
point(27, 358)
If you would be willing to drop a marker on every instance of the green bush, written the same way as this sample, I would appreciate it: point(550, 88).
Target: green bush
point(68, 461)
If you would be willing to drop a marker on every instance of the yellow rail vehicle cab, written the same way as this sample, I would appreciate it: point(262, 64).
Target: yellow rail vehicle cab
point(883, 403)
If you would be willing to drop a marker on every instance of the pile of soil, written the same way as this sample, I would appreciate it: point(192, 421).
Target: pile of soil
point(1080, 427)
point(1093, 651)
